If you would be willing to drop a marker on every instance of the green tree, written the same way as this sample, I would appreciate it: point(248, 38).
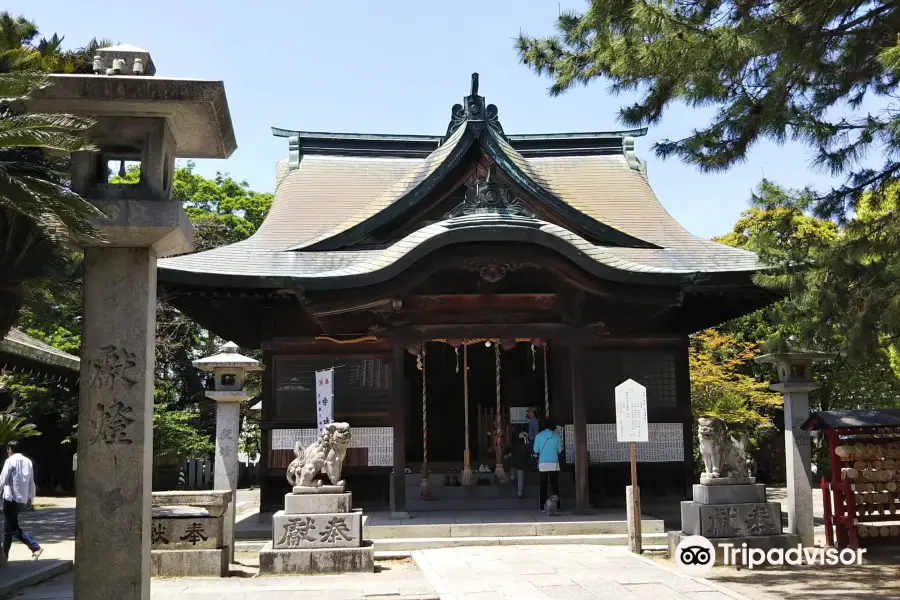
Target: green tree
point(39, 213)
point(21, 50)
point(223, 210)
point(797, 70)
point(773, 69)
point(722, 383)
point(780, 233)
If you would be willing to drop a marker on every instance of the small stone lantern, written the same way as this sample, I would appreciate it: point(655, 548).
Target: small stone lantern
point(230, 370)
point(795, 383)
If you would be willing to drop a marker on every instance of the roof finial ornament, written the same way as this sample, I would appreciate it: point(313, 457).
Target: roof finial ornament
point(473, 109)
point(489, 196)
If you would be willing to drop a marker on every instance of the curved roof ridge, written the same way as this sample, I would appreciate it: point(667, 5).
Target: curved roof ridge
point(416, 176)
point(280, 268)
point(322, 190)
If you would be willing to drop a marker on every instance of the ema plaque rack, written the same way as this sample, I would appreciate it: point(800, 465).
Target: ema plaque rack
point(862, 498)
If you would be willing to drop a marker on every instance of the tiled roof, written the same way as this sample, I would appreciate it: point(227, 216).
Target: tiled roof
point(322, 192)
point(415, 175)
point(18, 343)
point(314, 268)
point(333, 195)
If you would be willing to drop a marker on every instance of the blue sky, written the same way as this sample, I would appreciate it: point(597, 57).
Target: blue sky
point(395, 67)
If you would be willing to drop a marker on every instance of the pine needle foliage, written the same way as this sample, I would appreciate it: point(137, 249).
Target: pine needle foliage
point(824, 74)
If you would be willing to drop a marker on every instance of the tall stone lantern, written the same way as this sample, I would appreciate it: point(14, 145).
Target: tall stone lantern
point(230, 371)
point(150, 120)
point(795, 383)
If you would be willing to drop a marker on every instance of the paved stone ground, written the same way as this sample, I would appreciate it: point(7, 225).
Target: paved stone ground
point(52, 524)
point(338, 587)
point(570, 572)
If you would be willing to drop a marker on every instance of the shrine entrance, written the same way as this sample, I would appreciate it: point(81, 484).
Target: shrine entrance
point(459, 453)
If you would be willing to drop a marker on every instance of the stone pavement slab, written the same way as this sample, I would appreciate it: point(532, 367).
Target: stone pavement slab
point(567, 572)
point(398, 585)
point(20, 574)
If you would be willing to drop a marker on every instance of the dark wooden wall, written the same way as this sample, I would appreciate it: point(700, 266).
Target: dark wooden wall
point(363, 380)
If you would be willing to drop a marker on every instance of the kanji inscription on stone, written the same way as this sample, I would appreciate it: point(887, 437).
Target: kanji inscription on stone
point(720, 521)
point(226, 434)
point(297, 531)
point(225, 450)
point(110, 365)
point(194, 534)
point(113, 423)
point(158, 533)
point(336, 527)
point(759, 521)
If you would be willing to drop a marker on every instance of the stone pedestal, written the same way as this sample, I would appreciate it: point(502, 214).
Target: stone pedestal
point(732, 514)
point(187, 534)
point(634, 537)
point(226, 466)
point(115, 416)
point(795, 383)
point(798, 467)
point(229, 370)
point(317, 532)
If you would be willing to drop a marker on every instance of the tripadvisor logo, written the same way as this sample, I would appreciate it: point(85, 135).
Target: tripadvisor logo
point(696, 555)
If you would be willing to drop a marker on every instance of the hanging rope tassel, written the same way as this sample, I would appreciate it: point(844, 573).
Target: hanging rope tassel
point(499, 473)
point(546, 383)
point(423, 486)
point(467, 477)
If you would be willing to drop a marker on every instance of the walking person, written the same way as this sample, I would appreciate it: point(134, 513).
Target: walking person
point(520, 460)
point(548, 446)
point(17, 479)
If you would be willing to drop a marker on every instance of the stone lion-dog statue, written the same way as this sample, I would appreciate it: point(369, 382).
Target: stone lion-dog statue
point(323, 457)
point(723, 456)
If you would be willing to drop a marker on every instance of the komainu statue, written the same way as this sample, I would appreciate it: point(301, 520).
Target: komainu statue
point(723, 456)
point(323, 458)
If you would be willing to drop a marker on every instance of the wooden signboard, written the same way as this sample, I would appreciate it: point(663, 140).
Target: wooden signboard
point(632, 426)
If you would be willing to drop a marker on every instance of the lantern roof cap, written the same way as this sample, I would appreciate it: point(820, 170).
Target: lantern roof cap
point(228, 357)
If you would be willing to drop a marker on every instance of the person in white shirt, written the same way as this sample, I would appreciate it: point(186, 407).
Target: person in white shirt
point(17, 479)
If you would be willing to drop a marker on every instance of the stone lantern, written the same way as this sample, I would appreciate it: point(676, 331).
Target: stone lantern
point(140, 118)
point(230, 371)
point(795, 383)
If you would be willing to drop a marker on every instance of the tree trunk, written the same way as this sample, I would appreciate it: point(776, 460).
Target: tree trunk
point(11, 299)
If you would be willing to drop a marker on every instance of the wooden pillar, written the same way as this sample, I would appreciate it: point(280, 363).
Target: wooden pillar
point(579, 418)
point(266, 483)
point(683, 397)
point(398, 422)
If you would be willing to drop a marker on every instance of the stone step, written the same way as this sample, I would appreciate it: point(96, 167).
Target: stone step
point(409, 544)
point(542, 528)
point(391, 546)
point(463, 504)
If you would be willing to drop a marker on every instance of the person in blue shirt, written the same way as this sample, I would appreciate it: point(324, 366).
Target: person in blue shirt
point(548, 446)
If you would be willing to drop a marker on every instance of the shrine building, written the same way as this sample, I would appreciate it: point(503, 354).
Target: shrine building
point(453, 281)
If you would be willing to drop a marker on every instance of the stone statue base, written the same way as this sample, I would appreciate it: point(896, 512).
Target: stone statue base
point(732, 513)
point(705, 479)
point(317, 532)
point(322, 489)
point(311, 562)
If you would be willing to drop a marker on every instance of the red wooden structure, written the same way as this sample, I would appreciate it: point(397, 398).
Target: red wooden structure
point(861, 497)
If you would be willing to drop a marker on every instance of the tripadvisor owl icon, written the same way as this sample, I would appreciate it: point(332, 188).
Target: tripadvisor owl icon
point(695, 555)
